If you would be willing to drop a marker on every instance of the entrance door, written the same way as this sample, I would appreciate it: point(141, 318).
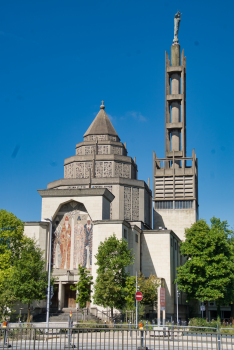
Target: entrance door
point(69, 297)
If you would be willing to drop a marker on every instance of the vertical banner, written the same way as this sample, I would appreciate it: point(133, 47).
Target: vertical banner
point(162, 299)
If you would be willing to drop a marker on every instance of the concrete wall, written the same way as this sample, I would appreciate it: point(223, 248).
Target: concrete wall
point(157, 259)
point(105, 229)
point(39, 232)
point(98, 207)
point(174, 219)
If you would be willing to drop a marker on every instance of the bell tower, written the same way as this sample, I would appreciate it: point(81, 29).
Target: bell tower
point(175, 192)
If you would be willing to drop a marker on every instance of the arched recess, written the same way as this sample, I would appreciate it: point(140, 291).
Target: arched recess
point(72, 239)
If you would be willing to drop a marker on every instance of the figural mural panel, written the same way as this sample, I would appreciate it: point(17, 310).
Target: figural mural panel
point(72, 237)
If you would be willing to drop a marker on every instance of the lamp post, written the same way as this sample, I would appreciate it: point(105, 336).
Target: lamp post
point(49, 274)
point(177, 304)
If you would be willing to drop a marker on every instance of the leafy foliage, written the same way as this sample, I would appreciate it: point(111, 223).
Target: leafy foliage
point(11, 241)
point(28, 276)
point(83, 286)
point(112, 259)
point(22, 268)
point(208, 273)
point(130, 290)
point(148, 287)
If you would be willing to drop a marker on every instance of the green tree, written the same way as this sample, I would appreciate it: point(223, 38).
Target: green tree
point(28, 276)
point(208, 273)
point(11, 241)
point(130, 291)
point(83, 286)
point(148, 287)
point(112, 259)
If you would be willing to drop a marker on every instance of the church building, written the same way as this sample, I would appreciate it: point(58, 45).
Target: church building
point(101, 195)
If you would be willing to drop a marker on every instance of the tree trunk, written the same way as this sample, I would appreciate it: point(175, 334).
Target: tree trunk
point(218, 312)
point(207, 312)
point(112, 314)
point(28, 317)
point(232, 311)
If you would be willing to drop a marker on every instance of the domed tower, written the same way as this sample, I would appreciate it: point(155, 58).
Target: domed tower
point(101, 160)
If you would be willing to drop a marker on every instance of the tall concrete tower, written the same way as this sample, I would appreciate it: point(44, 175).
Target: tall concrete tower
point(175, 192)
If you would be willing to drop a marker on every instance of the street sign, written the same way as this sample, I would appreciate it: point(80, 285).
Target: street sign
point(138, 296)
point(203, 308)
point(162, 299)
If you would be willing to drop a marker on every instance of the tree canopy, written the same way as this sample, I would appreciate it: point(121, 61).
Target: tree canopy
point(28, 277)
point(208, 273)
point(148, 287)
point(112, 259)
point(83, 286)
point(22, 268)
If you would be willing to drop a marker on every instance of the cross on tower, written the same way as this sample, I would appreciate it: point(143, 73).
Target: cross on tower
point(102, 102)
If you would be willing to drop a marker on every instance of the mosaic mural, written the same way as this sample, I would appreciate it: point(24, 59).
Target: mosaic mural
point(72, 237)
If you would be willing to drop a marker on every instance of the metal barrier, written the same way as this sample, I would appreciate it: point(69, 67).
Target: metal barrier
point(115, 336)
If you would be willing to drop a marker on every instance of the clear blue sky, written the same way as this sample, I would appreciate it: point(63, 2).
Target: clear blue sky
point(59, 59)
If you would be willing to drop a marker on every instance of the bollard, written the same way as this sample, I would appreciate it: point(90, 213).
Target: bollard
point(142, 339)
point(130, 329)
point(218, 337)
point(5, 325)
point(121, 326)
point(146, 326)
point(172, 330)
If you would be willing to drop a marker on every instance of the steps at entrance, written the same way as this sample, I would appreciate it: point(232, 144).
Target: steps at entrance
point(62, 316)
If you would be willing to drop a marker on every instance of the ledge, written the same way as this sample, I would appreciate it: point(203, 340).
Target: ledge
point(99, 181)
point(155, 232)
point(87, 192)
point(36, 223)
point(100, 157)
point(176, 154)
point(175, 69)
point(174, 125)
point(173, 97)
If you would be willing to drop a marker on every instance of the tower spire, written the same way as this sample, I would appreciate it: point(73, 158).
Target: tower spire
point(175, 101)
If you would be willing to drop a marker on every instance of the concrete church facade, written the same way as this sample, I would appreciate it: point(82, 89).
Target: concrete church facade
point(100, 195)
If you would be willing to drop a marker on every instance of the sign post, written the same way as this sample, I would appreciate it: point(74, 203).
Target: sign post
point(163, 304)
point(138, 297)
point(136, 304)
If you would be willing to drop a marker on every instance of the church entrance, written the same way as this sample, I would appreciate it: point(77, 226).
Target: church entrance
point(69, 297)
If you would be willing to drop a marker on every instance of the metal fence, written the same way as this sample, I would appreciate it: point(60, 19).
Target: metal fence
point(120, 337)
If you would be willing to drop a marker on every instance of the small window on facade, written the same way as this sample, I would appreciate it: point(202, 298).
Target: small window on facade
point(136, 238)
point(125, 234)
point(175, 245)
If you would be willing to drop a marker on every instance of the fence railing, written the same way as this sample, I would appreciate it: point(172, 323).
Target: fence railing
point(114, 337)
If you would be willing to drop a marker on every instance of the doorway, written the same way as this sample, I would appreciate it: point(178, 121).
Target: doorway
point(69, 296)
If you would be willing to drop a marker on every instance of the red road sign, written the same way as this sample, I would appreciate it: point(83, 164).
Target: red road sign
point(138, 296)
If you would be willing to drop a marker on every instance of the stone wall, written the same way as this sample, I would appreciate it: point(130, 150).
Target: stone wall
point(131, 203)
point(80, 170)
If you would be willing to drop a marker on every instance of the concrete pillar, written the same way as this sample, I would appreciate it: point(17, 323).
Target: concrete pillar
point(175, 55)
point(60, 296)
